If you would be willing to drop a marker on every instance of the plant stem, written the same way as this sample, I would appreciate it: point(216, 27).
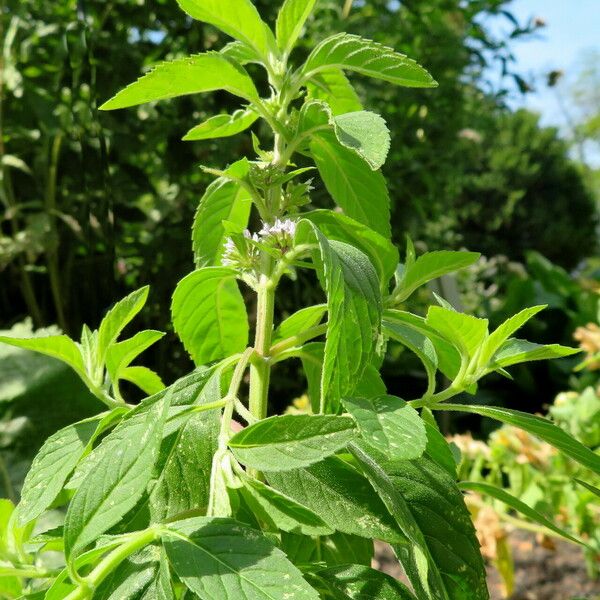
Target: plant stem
point(260, 369)
point(87, 586)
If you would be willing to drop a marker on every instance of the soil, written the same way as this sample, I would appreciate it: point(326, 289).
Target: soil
point(540, 573)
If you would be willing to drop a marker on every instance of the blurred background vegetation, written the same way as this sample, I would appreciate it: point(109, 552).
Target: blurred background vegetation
point(95, 204)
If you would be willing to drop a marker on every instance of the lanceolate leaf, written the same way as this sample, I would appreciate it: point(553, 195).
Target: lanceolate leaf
point(51, 467)
point(300, 321)
point(121, 354)
point(358, 190)
point(499, 494)
point(118, 479)
point(390, 425)
point(221, 558)
point(354, 53)
point(221, 126)
point(538, 426)
point(290, 21)
point(515, 351)
point(146, 379)
point(280, 511)
point(357, 582)
point(430, 266)
point(354, 314)
point(192, 75)
point(209, 314)
point(241, 53)
point(341, 496)
point(286, 442)
point(381, 252)
point(223, 200)
point(237, 18)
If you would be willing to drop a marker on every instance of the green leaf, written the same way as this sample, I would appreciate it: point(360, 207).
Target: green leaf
point(333, 87)
point(311, 356)
point(502, 333)
point(389, 425)
point(61, 347)
point(300, 321)
point(588, 486)
point(117, 318)
point(184, 467)
point(438, 517)
point(121, 354)
point(438, 449)
point(52, 465)
point(448, 356)
point(223, 200)
point(354, 53)
point(209, 314)
point(191, 75)
point(341, 496)
point(146, 379)
point(499, 494)
point(465, 332)
point(358, 582)
point(221, 558)
point(290, 21)
point(285, 442)
point(221, 126)
point(538, 426)
point(416, 342)
point(432, 265)
point(237, 18)
point(336, 549)
point(119, 478)
point(241, 53)
point(336, 226)
point(515, 351)
point(359, 191)
point(281, 512)
point(366, 133)
point(142, 576)
point(354, 313)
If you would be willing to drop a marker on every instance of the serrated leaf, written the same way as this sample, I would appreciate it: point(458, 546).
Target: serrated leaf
point(336, 226)
point(286, 442)
point(280, 511)
point(515, 351)
point(465, 332)
point(237, 18)
point(416, 342)
point(354, 53)
point(537, 426)
point(354, 313)
point(221, 558)
point(341, 496)
point(119, 478)
point(146, 379)
point(117, 318)
point(185, 461)
point(333, 87)
point(223, 200)
point(437, 509)
point(61, 347)
point(503, 496)
point(504, 331)
point(432, 265)
point(300, 321)
point(221, 126)
point(358, 582)
point(359, 191)
point(290, 21)
point(389, 425)
point(191, 75)
point(52, 465)
point(241, 53)
point(366, 133)
point(209, 314)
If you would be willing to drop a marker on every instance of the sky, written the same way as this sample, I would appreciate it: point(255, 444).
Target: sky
point(572, 29)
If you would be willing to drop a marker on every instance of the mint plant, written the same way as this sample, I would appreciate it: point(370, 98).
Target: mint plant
point(171, 498)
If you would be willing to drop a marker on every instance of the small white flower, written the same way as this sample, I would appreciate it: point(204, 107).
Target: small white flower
point(280, 227)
